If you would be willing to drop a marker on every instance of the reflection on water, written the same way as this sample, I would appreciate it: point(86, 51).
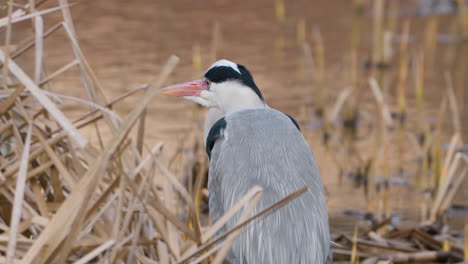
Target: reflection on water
point(427, 7)
point(127, 42)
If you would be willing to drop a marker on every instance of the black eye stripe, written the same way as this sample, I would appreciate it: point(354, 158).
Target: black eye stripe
point(221, 74)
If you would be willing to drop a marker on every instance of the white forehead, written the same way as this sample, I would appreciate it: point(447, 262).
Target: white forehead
point(225, 63)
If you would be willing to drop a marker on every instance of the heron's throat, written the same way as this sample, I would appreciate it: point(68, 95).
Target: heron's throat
point(232, 99)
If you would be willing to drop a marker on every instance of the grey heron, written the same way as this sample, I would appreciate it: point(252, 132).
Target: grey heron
point(249, 143)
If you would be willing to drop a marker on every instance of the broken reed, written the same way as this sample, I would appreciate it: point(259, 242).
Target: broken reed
point(376, 188)
point(401, 94)
point(462, 54)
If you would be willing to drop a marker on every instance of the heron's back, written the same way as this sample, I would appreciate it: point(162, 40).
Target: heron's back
point(263, 147)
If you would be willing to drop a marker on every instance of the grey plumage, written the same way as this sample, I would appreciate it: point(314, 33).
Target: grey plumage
point(263, 147)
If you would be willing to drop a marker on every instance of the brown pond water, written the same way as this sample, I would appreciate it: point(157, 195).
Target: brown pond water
point(127, 42)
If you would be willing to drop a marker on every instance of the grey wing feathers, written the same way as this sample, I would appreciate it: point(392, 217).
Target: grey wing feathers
point(263, 147)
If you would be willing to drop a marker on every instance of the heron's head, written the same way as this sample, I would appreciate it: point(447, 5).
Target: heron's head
point(225, 85)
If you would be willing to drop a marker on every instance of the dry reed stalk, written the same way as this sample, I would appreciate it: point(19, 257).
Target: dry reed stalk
point(197, 63)
point(423, 128)
point(10, 101)
point(385, 77)
point(315, 65)
point(453, 103)
point(340, 102)
point(426, 150)
point(68, 178)
point(466, 240)
point(454, 142)
point(208, 234)
point(141, 133)
point(27, 43)
point(78, 197)
point(278, 50)
point(386, 174)
point(176, 185)
point(138, 193)
point(430, 43)
point(379, 98)
point(197, 192)
point(230, 238)
point(354, 252)
point(419, 89)
point(109, 105)
point(114, 117)
point(451, 181)
point(254, 191)
point(19, 197)
point(35, 153)
point(167, 182)
point(401, 93)
point(403, 68)
point(20, 16)
point(90, 81)
point(306, 63)
point(45, 101)
point(319, 52)
point(393, 17)
point(280, 12)
point(379, 165)
point(452, 190)
point(95, 90)
point(436, 143)
point(423, 256)
point(136, 234)
point(95, 252)
point(462, 56)
point(205, 256)
point(59, 71)
point(377, 34)
point(6, 44)
point(154, 207)
point(268, 209)
point(358, 6)
point(39, 34)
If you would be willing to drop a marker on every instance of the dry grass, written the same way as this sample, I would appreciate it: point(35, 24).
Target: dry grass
point(64, 200)
point(377, 143)
point(67, 201)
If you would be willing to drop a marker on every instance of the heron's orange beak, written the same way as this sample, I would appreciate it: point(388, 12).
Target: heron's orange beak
point(193, 88)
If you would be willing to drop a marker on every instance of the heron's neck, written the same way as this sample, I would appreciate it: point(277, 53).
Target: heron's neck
point(233, 99)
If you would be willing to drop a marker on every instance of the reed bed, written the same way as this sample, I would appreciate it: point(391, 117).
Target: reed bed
point(66, 200)
point(405, 145)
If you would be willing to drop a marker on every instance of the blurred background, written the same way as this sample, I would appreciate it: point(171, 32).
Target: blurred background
point(378, 87)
